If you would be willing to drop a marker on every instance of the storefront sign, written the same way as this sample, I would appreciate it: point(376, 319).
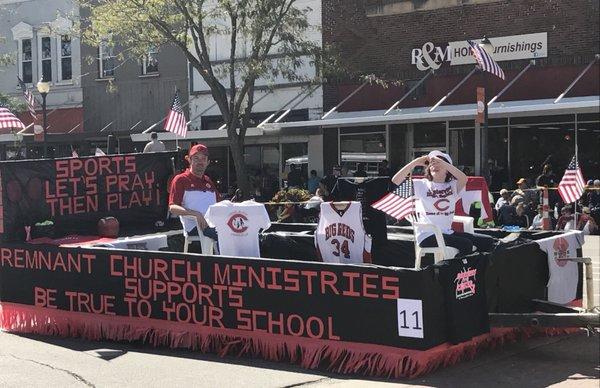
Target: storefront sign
point(506, 48)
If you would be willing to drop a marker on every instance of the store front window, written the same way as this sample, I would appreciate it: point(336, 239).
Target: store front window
point(296, 154)
point(366, 146)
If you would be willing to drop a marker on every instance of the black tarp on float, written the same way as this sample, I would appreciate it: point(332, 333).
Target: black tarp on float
point(75, 193)
point(365, 304)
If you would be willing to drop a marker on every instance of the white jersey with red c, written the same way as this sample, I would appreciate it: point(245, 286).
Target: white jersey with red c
point(340, 235)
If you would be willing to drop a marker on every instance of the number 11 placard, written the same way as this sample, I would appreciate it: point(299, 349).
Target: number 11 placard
point(410, 318)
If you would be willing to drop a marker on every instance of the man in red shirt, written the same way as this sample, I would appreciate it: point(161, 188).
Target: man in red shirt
point(193, 192)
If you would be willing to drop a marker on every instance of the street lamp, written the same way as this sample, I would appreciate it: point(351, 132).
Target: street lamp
point(44, 87)
point(487, 45)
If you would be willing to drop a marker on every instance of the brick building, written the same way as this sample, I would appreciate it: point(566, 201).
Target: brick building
point(401, 41)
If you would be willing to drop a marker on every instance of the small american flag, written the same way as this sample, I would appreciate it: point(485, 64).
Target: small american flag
point(176, 121)
point(400, 203)
point(571, 185)
point(9, 120)
point(484, 60)
point(28, 97)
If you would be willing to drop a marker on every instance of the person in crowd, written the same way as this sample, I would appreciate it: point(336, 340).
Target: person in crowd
point(437, 194)
point(528, 195)
point(294, 178)
point(586, 222)
point(315, 201)
point(329, 181)
point(360, 171)
point(344, 171)
point(467, 171)
point(508, 213)
point(521, 219)
point(537, 223)
point(593, 196)
point(154, 145)
point(503, 200)
point(238, 196)
point(384, 169)
point(566, 219)
point(192, 192)
point(547, 178)
point(313, 182)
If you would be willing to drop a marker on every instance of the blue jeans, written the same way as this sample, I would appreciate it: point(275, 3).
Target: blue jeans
point(464, 242)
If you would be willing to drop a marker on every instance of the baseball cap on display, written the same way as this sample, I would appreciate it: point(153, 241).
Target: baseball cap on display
point(198, 148)
point(440, 154)
point(597, 182)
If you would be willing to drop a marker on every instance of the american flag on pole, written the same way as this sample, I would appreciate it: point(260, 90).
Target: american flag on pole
point(9, 120)
point(176, 121)
point(484, 60)
point(571, 185)
point(400, 202)
point(28, 97)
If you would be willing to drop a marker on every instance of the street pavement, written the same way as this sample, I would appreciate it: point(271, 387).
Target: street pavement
point(37, 361)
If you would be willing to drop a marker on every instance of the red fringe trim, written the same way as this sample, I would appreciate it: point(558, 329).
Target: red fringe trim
point(336, 356)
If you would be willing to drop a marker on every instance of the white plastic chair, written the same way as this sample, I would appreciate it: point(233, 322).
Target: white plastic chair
point(207, 243)
point(467, 222)
point(441, 252)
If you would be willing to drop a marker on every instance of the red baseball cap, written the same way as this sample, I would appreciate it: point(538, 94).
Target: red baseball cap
point(198, 148)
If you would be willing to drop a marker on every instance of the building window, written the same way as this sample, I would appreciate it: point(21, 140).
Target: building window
point(46, 58)
point(66, 69)
point(150, 62)
point(106, 61)
point(394, 7)
point(26, 61)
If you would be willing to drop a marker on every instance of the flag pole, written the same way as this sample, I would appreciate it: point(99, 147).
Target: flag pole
point(576, 164)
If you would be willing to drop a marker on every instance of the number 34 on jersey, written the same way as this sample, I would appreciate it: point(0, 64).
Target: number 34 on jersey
point(340, 235)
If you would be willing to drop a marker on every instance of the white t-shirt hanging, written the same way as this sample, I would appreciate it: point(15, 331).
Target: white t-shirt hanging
point(238, 225)
point(340, 236)
point(562, 285)
point(436, 204)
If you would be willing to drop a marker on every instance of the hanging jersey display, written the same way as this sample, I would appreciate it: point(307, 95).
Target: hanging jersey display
point(463, 281)
point(366, 191)
point(340, 236)
point(238, 225)
point(562, 285)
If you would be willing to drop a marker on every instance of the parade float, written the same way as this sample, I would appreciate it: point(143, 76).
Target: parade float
point(59, 276)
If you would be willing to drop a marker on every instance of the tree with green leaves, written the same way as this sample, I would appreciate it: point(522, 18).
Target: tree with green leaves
point(274, 32)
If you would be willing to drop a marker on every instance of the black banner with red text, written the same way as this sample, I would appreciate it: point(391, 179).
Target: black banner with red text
point(364, 304)
point(75, 193)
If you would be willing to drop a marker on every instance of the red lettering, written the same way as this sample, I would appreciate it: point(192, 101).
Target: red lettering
point(244, 319)
point(389, 283)
point(351, 277)
point(290, 279)
point(366, 286)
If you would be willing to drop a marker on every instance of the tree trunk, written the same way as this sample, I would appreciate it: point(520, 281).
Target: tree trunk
point(236, 145)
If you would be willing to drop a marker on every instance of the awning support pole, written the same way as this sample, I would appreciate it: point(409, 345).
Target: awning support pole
point(453, 90)
point(255, 102)
point(596, 57)
point(287, 111)
point(107, 125)
point(265, 121)
point(25, 129)
point(430, 72)
point(344, 100)
point(497, 96)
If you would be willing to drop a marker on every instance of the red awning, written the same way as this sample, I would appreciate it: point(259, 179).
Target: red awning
point(59, 120)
